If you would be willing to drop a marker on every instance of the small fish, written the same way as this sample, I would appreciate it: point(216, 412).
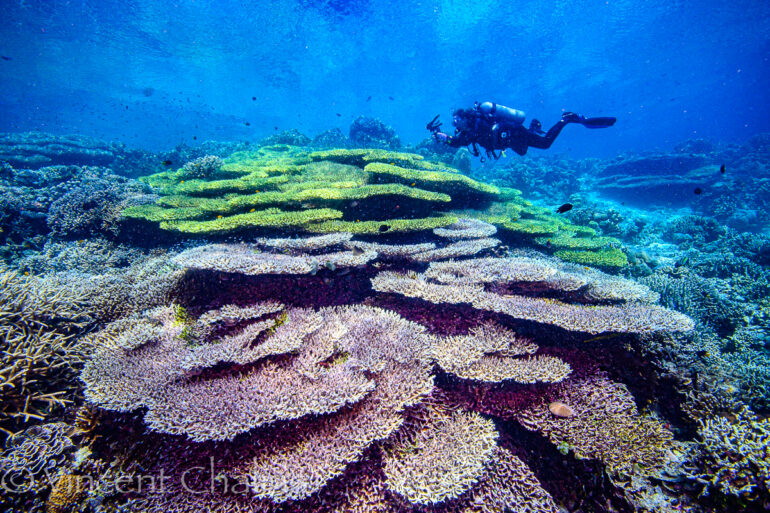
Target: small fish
point(564, 208)
point(353, 204)
point(607, 336)
point(548, 244)
point(253, 98)
point(384, 228)
point(722, 169)
point(195, 138)
point(698, 190)
point(357, 251)
point(167, 163)
point(247, 123)
point(369, 98)
point(390, 98)
point(6, 58)
point(339, 115)
point(275, 128)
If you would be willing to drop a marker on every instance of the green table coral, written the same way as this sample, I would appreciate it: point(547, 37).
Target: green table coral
point(362, 191)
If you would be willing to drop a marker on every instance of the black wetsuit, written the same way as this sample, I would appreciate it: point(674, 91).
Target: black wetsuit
point(498, 136)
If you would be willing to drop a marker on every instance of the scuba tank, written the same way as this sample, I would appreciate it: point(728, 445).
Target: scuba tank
point(500, 113)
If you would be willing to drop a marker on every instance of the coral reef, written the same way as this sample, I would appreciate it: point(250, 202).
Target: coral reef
point(41, 318)
point(333, 138)
point(33, 150)
point(331, 191)
point(367, 330)
point(292, 137)
point(633, 317)
point(733, 455)
point(368, 132)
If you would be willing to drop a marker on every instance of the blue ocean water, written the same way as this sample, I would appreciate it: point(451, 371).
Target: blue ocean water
point(238, 274)
point(157, 73)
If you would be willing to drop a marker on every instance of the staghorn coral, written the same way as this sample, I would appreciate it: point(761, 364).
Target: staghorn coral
point(418, 466)
point(146, 370)
point(733, 454)
point(307, 243)
point(41, 318)
point(467, 229)
point(202, 167)
point(633, 318)
point(460, 248)
point(696, 296)
point(605, 425)
point(247, 259)
point(488, 353)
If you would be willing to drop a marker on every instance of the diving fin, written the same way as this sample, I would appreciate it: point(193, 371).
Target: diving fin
point(598, 122)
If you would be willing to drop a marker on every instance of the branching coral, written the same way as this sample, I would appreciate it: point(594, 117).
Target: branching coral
point(40, 318)
point(734, 454)
point(417, 464)
point(467, 229)
point(633, 318)
point(488, 353)
point(248, 259)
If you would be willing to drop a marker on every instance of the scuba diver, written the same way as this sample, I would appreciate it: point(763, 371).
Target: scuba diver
point(496, 127)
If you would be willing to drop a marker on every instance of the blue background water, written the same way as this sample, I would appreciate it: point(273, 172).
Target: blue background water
point(156, 73)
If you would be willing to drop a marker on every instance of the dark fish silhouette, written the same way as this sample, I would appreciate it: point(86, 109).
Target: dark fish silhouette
point(247, 123)
point(195, 138)
point(390, 98)
point(698, 190)
point(253, 98)
point(275, 128)
point(167, 163)
point(384, 228)
point(369, 98)
point(722, 169)
point(6, 58)
point(339, 115)
point(564, 208)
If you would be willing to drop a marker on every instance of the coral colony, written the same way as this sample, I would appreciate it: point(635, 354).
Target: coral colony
point(342, 330)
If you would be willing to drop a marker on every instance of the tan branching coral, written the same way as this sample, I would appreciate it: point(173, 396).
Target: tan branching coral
point(734, 454)
point(631, 318)
point(154, 372)
point(507, 484)
point(392, 250)
point(488, 353)
point(457, 249)
point(549, 273)
point(249, 259)
point(40, 318)
point(466, 228)
point(606, 425)
point(438, 454)
point(308, 243)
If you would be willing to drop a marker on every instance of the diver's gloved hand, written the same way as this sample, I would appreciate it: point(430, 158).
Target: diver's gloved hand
point(571, 117)
point(440, 137)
